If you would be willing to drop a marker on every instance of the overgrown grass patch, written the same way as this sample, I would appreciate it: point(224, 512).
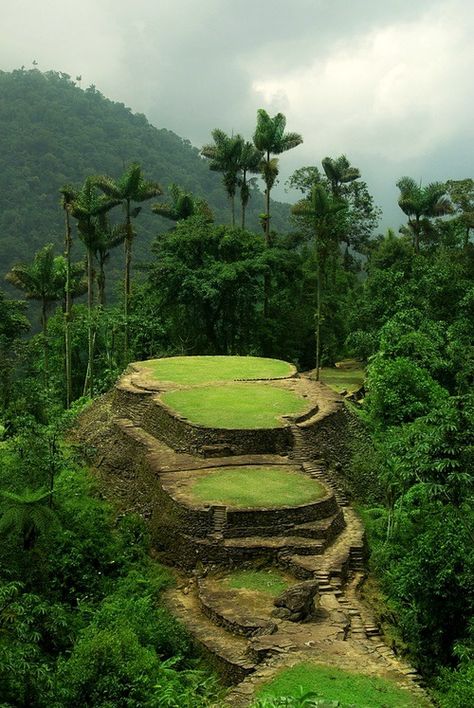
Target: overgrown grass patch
point(341, 379)
point(206, 369)
point(238, 405)
point(271, 581)
point(332, 684)
point(256, 486)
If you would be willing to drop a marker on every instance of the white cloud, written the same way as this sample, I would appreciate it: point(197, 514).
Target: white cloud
point(396, 92)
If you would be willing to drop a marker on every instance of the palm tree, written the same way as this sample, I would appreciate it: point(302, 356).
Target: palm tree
point(41, 280)
point(131, 187)
point(339, 172)
point(28, 514)
point(320, 209)
point(249, 161)
point(87, 206)
point(271, 139)
point(182, 205)
point(224, 156)
point(421, 204)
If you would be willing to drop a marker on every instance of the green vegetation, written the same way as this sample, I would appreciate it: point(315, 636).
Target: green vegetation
point(81, 616)
point(270, 582)
point(74, 580)
point(330, 684)
point(239, 405)
point(343, 379)
point(64, 134)
point(207, 369)
point(256, 487)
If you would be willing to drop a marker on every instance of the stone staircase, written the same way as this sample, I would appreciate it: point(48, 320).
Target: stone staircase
point(219, 521)
point(316, 468)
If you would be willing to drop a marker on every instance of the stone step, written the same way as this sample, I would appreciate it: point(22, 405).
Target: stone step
point(373, 632)
point(324, 528)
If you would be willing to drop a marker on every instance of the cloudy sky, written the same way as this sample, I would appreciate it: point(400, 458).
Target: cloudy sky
point(388, 83)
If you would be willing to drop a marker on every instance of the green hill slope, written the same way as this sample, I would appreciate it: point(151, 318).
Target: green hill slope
point(53, 132)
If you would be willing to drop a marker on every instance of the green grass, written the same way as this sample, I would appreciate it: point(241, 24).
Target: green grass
point(256, 487)
point(342, 379)
point(334, 684)
point(270, 582)
point(206, 369)
point(236, 405)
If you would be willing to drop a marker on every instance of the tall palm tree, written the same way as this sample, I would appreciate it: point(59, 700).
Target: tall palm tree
point(87, 206)
point(339, 171)
point(224, 155)
point(421, 204)
point(130, 188)
point(249, 162)
point(271, 139)
point(320, 210)
point(41, 280)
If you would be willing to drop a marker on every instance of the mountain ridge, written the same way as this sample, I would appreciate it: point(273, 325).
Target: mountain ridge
point(54, 132)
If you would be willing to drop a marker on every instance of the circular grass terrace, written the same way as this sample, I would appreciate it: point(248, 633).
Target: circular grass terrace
point(269, 581)
point(348, 689)
point(236, 406)
point(253, 487)
point(195, 370)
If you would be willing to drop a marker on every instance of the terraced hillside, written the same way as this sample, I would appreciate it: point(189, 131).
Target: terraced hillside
point(268, 552)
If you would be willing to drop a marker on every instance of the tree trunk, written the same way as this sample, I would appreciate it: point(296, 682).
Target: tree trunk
point(101, 283)
point(417, 235)
point(318, 317)
point(267, 208)
point(244, 184)
point(128, 261)
point(89, 380)
point(44, 325)
point(232, 208)
point(67, 311)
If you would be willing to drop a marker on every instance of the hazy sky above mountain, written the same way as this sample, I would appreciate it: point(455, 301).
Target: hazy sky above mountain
point(389, 84)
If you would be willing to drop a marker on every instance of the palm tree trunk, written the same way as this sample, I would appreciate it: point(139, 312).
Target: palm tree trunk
point(244, 184)
point(232, 208)
point(89, 380)
point(44, 324)
point(128, 261)
point(267, 208)
point(318, 317)
point(67, 312)
point(101, 283)
point(417, 235)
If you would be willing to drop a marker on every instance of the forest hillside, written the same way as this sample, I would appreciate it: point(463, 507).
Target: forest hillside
point(54, 133)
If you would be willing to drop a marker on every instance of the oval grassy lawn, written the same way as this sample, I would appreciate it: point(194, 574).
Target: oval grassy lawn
point(332, 684)
point(205, 369)
point(270, 581)
point(248, 487)
point(236, 405)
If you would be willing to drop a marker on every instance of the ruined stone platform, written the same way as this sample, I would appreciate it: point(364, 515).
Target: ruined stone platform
point(143, 450)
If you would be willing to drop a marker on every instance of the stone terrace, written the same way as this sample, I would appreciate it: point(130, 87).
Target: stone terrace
point(143, 450)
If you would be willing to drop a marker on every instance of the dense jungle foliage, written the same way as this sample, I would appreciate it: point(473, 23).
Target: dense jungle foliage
point(81, 618)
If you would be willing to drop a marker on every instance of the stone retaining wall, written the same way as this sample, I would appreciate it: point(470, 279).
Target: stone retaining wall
point(238, 624)
point(279, 518)
point(184, 436)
